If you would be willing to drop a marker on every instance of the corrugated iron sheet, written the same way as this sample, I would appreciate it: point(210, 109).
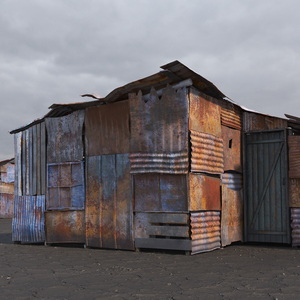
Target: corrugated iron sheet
point(204, 192)
point(30, 161)
point(255, 121)
point(6, 205)
point(28, 221)
point(7, 173)
point(207, 153)
point(294, 192)
point(294, 156)
point(65, 226)
point(169, 163)
point(233, 181)
point(205, 114)
point(162, 231)
point(232, 215)
point(295, 218)
point(232, 149)
point(160, 192)
point(107, 129)
point(65, 138)
point(205, 231)
point(231, 117)
point(159, 124)
point(109, 211)
point(66, 189)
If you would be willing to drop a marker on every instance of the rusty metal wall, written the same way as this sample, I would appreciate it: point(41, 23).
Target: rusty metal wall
point(65, 141)
point(160, 192)
point(65, 226)
point(66, 188)
point(6, 205)
point(255, 121)
point(159, 124)
point(295, 224)
point(162, 231)
point(232, 149)
point(204, 192)
point(207, 153)
point(232, 214)
point(231, 117)
point(294, 192)
point(109, 211)
point(205, 231)
point(294, 156)
point(168, 163)
point(28, 221)
point(30, 161)
point(107, 129)
point(205, 114)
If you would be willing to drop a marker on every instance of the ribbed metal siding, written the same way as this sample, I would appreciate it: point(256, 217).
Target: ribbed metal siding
point(233, 181)
point(168, 163)
point(266, 211)
point(206, 231)
point(207, 153)
point(6, 205)
point(295, 218)
point(28, 221)
point(231, 118)
point(294, 156)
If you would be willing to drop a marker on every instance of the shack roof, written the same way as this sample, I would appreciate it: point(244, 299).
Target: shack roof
point(7, 161)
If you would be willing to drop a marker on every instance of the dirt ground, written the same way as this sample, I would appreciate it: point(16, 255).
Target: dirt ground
point(235, 272)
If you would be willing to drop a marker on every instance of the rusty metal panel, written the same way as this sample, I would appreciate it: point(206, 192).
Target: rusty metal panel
point(66, 189)
point(232, 149)
point(207, 153)
point(28, 221)
point(6, 205)
point(159, 124)
point(168, 163)
point(109, 212)
point(205, 231)
point(204, 192)
point(294, 192)
point(107, 129)
point(232, 214)
point(295, 224)
point(160, 192)
point(162, 231)
point(7, 173)
point(255, 121)
point(205, 114)
point(231, 117)
point(65, 226)
point(6, 188)
point(65, 138)
point(18, 163)
point(294, 156)
point(233, 181)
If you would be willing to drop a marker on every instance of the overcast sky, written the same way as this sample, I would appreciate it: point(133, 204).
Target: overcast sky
point(52, 51)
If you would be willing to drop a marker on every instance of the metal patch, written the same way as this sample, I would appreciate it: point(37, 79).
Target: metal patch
point(28, 221)
point(205, 231)
point(233, 181)
point(207, 153)
point(160, 192)
point(232, 149)
point(205, 114)
point(294, 156)
point(159, 124)
point(107, 129)
point(65, 226)
point(231, 118)
point(109, 212)
point(231, 216)
point(65, 138)
point(6, 205)
point(204, 192)
point(169, 163)
point(294, 192)
point(295, 218)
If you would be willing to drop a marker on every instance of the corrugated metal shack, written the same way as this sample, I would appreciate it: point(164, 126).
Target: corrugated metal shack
point(155, 164)
point(7, 178)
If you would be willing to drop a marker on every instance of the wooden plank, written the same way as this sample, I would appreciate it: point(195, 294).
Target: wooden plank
point(169, 218)
point(167, 244)
point(171, 231)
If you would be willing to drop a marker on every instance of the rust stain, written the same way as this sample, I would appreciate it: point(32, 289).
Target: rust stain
point(294, 156)
point(294, 192)
point(231, 118)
